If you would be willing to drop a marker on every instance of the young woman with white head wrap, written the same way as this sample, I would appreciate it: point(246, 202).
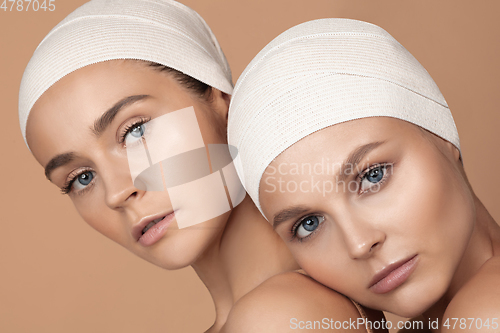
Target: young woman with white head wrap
point(88, 99)
point(349, 150)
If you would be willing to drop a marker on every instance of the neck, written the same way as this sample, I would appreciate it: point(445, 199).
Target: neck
point(247, 253)
point(483, 245)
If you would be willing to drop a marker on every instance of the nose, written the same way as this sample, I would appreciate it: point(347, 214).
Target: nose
point(118, 197)
point(119, 188)
point(362, 238)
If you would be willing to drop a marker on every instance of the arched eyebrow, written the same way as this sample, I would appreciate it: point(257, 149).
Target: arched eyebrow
point(101, 123)
point(58, 161)
point(288, 214)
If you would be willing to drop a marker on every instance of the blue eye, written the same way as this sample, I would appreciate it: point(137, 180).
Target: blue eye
point(375, 175)
point(83, 179)
point(308, 225)
point(79, 182)
point(371, 180)
point(135, 132)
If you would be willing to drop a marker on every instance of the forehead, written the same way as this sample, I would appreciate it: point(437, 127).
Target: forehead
point(94, 85)
point(339, 140)
point(64, 114)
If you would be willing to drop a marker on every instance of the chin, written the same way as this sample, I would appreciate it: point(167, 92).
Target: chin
point(408, 310)
point(170, 261)
point(167, 257)
point(421, 299)
point(180, 248)
point(175, 265)
point(176, 259)
point(182, 252)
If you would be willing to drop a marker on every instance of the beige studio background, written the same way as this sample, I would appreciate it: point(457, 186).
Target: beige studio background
point(59, 275)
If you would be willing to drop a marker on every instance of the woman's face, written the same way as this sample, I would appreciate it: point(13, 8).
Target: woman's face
point(96, 174)
point(375, 208)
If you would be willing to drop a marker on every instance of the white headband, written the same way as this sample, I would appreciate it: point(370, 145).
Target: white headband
point(322, 73)
point(161, 31)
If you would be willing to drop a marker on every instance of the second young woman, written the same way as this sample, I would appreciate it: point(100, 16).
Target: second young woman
point(349, 150)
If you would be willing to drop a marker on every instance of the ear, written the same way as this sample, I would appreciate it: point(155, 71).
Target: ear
point(453, 151)
point(220, 103)
point(227, 99)
point(457, 154)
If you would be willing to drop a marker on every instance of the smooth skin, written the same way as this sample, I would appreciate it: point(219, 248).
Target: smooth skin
point(417, 203)
point(237, 255)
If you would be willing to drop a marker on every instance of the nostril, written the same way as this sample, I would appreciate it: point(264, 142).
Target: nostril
point(374, 245)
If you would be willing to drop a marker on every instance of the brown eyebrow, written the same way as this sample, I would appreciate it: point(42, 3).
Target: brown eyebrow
point(287, 214)
point(354, 158)
point(58, 161)
point(107, 117)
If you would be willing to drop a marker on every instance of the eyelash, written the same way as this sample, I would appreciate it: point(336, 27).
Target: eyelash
point(68, 186)
point(384, 166)
point(297, 225)
point(127, 129)
point(360, 178)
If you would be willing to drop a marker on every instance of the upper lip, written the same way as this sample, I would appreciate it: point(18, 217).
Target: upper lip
point(137, 229)
point(388, 269)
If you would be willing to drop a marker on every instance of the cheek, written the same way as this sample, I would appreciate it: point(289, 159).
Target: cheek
point(213, 129)
point(454, 221)
point(442, 209)
point(431, 213)
point(98, 216)
point(324, 259)
point(182, 247)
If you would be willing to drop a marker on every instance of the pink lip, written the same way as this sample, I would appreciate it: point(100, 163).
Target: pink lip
point(393, 275)
point(155, 232)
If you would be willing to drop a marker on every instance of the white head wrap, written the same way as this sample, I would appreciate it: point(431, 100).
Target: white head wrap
point(161, 31)
point(322, 73)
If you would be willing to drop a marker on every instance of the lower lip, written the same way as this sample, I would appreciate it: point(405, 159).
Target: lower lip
point(395, 278)
point(156, 232)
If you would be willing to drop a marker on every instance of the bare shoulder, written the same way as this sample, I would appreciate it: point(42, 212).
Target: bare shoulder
point(289, 302)
point(476, 307)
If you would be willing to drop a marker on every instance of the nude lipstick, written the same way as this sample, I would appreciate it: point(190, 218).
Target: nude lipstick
point(393, 275)
point(151, 230)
